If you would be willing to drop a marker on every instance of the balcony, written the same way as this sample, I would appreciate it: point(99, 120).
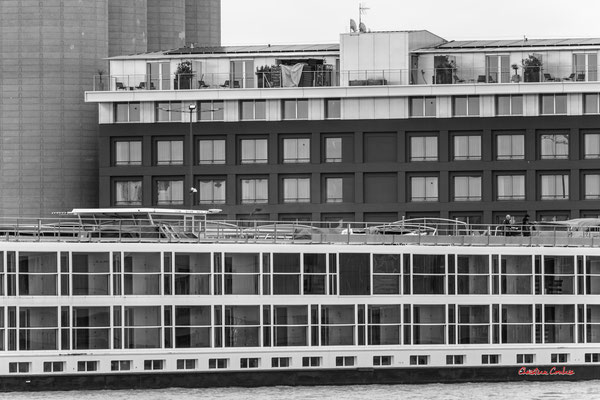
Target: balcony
point(274, 78)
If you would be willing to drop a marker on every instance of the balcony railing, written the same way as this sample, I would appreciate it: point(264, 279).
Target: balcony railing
point(333, 78)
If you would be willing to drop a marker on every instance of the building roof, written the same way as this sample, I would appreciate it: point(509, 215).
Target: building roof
point(479, 44)
point(276, 48)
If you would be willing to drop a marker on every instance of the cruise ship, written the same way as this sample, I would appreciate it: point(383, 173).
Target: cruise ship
point(149, 297)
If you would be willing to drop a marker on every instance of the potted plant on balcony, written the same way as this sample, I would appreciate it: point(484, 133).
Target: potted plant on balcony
point(532, 68)
point(445, 69)
point(516, 78)
point(183, 75)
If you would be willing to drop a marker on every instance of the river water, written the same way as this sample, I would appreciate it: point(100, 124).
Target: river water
point(463, 391)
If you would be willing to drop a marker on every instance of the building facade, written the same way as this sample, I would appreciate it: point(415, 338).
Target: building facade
point(49, 52)
point(469, 130)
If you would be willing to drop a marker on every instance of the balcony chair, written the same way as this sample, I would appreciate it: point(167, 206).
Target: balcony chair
point(202, 85)
point(141, 86)
point(549, 78)
point(580, 77)
point(227, 84)
point(120, 86)
point(481, 79)
point(458, 80)
point(570, 78)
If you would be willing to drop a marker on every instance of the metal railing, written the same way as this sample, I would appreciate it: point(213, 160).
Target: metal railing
point(333, 78)
point(185, 230)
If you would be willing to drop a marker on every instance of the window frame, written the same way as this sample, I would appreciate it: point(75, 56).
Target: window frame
point(337, 109)
point(129, 180)
point(257, 115)
point(511, 156)
point(553, 98)
point(213, 180)
point(254, 180)
point(425, 157)
point(256, 149)
point(172, 160)
point(512, 197)
point(118, 163)
point(127, 118)
point(556, 146)
point(418, 106)
point(213, 160)
point(469, 146)
point(426, 198)
point(172, 180)
point(468, 197)
point(564, 177)
point(287, 143)
point(469, 105)
point(298, 180)
point(511, 104)
point(216, 110)
point(298, 107)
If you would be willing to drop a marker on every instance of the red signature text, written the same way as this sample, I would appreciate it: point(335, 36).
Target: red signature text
point(552, 371)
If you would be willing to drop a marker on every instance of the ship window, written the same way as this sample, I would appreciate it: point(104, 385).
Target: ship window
point(54, 366)
point(91, 328)
point(384, 324)
point(150, 365)
point(315, 272)
point(559, 358)
point(188, 363)
point(242, 326)
point(218, 363)
point(490, 358)
point(19, 367)
point(142, 327)
point(386, 274)
point(592, 357)
point(382, 360)
point(120, 365)
point(525, 358)
point(473, 324)
point(87, 366)
point(419, 360)
point(192, 273)
point(559, 275)
point(280, 362)
point(354, 274)
point(559, 323)
point(141, 274)
point(91, 274)
point(192, 326)
point(472, 274)
point(311, 361)
point(38, 274)
point(337, 325)
point(429, 324)
point(241, 273)
point(455, 359)
point(286, 273)
point(516, 274)
point(249, 362)
point(517, 323)
point(592, 275)
point(345, 361)
point(428, 274)
point(291, 326)
point(38, 328)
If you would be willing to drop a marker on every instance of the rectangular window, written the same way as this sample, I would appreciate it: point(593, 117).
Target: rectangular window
point(211, 110)
point(54, 366)
point(559, 358)
point(169, 152)
point(345, 361)
point(296, 150)
point(591, 103)
point(188, 363)
point(218, 363)
point(467, 148)
point(497, 68)
point(592, 186)
point(423, 148)
point(333, 149)
point(382, 361)
point(463, 106)
point(127, 112)
point(509, 104)
point(19, 367)
point(525, 358)
point(592, 146)
point(169, 192)
point(334, 189)
point(169, 111)
point(128, 193)
point(253, 110)
point(254, 151)
point(153, 365)
point(120, 365)
point(422, 106)
point(249, 362)
point(255, 191)
point(455, 360)
point(553, 104)
point(211, 191)
point(419, 360)
point(554, 147)
point(510, 147)
point(280, 362)
point(592, 357)
point(87, 366)
point(555, 187)
point(424, 188)
point(510, 187)
point(128, 152)
point(296, 190)
point(490, 358)
point(211, 151)
point(295, 109)
point(467, 188)
point(333, 109)
point(311, 361)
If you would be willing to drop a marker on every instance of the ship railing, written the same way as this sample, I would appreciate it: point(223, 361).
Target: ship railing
point(421, 231)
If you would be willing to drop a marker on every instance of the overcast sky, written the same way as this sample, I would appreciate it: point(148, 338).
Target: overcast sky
point(321, 21)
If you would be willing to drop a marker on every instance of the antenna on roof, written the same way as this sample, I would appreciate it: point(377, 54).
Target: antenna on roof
point(353, 26)
point(362, 9)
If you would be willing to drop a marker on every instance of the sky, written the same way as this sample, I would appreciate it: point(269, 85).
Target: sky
point(321, 21)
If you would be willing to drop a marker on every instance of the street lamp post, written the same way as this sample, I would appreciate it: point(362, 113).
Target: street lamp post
point(192, 108)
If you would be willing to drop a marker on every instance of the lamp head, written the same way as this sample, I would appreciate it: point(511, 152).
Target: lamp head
point(192, 107)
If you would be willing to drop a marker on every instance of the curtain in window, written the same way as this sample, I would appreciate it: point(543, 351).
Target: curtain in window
point(555, 186)
point(261, 150)
point(592, 145)
point(170, 192)
point(248, 150)
point(296, 189)
point(162, 112)
point(333, 149)
point(177, 152)
point(128, 192)
point(163, 152)
point(254, 190)
point(467, 188)
point(592, 186)
point(206, 152)
point(134, 112)
point(212, 192)
point(334, 190)
point(122, 152)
